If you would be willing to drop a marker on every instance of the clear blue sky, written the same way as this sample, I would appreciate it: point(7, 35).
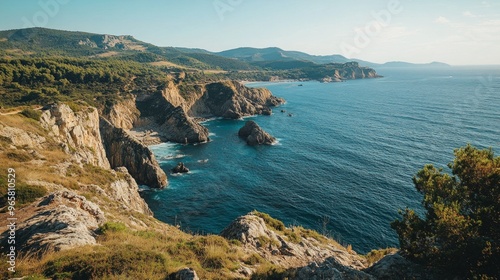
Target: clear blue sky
point(457, 32)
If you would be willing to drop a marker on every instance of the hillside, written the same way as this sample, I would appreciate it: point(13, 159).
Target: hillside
point(242, 64)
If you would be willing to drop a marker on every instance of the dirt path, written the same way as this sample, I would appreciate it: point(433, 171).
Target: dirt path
point(19, 111)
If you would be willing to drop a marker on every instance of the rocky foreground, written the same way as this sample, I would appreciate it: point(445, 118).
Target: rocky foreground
point(80, 216)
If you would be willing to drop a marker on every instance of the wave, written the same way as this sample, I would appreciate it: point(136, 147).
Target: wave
point(211, 119)
point(277, 142)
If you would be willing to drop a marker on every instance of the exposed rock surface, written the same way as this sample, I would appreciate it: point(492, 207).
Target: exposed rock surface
point(329, 269)
point(255, 135)
point(180, 168)
point(256, 236)
point(186, 274)
point(21, 138)
point(172, 113)
point(78, 131)
point(126, 191)
point(123, 114)
point(171, 122)
point(233, 100)
point(63, 220)
point(124, 150)
point(395, 266)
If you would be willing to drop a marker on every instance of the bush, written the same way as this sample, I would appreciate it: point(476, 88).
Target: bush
point(112, 227)
point(32, 114)
point(272, 222)
point(461, 229)
point(24, 194)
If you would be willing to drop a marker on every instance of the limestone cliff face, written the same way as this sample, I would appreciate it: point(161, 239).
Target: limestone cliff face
point(352, 70)
point(169, 121)
point(172, 112)
point(124, 150)
point(123, 114)
point(77, 131)
point(233, 100)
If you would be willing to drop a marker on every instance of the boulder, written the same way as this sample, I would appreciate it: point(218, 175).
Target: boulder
point(62, 220)
point(180, 168)
point(254, 135)
point(186, 274)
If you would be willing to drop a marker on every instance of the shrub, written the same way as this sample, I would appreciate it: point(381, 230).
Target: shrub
point(32, 114)
point(272, 222)
point(112, 227)
point(19, 156)
point(27, 193)
point(377, 254)
point(460, 232)
point(24, 193)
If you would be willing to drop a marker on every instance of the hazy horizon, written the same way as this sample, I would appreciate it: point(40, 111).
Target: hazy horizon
point(456, 33)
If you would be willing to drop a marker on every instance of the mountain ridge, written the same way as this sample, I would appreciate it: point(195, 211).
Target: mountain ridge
point(238, 58)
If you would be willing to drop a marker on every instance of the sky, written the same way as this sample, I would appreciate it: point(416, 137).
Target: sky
point(460, 32)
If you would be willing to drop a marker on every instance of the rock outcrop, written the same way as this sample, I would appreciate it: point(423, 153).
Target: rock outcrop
point(21, 138)
point(280, 248)
point(126, 191)
point(395, 266)
point(255, 135)
point(124, 150)
point(62, 220)
point(78, 132)
point(180, 168)
point(233, 100)
point(123, 114)
point(331, 269)
point(186, 274)
point(169, 121)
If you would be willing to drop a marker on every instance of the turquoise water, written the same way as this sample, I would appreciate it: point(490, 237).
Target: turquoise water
point(345, 159)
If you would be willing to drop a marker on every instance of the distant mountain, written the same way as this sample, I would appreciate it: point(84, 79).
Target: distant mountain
point(266, 54)
point(401, 64)
point(259, 55)
point(39, 42)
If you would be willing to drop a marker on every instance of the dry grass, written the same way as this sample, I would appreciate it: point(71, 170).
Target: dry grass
point(295, 234)
point(128, 254)
point(375, 255)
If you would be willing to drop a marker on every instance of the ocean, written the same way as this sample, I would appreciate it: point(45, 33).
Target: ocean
point(345, 158)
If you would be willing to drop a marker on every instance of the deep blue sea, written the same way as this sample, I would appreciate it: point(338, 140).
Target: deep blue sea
point(345, 159)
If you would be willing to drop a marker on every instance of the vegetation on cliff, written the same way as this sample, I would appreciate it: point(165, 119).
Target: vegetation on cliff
point(460, 233)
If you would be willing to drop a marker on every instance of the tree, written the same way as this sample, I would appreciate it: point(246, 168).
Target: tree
point(461, 229)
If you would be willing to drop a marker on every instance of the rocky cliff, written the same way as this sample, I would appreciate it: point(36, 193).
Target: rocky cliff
point(122, 149)
point(170, 121)
point(232, 100)
point(123, 114)
point(78, 132)
point(172, 112)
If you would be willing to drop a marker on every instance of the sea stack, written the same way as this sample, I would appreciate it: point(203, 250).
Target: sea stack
point(254, 135)
point(180, 168)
